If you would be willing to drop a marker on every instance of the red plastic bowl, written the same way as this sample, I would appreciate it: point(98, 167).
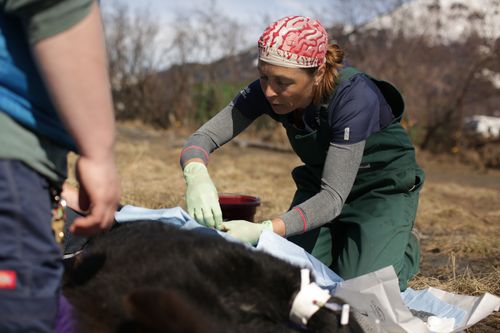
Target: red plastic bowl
point(238, 206)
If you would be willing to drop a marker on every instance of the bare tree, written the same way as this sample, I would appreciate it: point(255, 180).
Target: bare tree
point(442, 80)
point(204, 36)
point(134, 58)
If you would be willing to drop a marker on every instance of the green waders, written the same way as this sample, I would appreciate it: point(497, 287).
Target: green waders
point(374, 227)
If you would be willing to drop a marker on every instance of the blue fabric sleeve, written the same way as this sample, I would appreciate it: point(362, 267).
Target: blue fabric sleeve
point(356, 111)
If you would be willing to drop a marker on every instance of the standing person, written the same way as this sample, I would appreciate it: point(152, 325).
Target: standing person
point(357, 192)
point(54, 97)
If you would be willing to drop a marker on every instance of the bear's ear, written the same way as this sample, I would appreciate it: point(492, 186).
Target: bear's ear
point(153, 310)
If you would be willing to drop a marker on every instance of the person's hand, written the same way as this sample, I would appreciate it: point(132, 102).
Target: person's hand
point(246, 231)
point(99, 194)
point(202, 200)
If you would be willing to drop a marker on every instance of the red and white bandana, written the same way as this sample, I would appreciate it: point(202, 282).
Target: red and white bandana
point(294, 41)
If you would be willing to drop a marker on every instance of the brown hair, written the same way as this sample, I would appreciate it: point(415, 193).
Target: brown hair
point(324, 88)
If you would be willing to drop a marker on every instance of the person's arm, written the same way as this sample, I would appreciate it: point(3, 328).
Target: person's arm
point(340, 170)
point(341, 166)
point(73, 65)
point(247, 106)
point(74, 68)
point(202, 199)
point(223, 127)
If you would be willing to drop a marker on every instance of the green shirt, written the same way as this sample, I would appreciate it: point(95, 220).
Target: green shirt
point(43, 156)
point(45, 18)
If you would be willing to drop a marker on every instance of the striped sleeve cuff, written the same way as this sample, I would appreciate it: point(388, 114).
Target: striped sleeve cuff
point(193, 151)
point(296, 222)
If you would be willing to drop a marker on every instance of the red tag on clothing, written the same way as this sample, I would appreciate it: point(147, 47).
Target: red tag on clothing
point(7, 279)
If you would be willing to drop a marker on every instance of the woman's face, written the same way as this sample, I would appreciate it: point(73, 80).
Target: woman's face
point(286, 89)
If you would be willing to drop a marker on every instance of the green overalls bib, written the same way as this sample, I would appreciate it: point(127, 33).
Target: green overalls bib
point(374, 227)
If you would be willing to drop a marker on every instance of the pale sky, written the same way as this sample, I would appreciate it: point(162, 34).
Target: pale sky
point(253, 15)
point(250, 13)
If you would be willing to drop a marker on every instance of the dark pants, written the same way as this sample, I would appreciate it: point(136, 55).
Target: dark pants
point(30, 259)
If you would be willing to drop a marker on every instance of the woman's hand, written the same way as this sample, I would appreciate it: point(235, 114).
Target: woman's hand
point(202, 199)
point(246, 231)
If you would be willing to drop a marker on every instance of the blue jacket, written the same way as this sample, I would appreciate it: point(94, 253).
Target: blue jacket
point(23, 95)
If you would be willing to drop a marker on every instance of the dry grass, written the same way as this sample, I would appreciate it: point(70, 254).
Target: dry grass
point(459, 213)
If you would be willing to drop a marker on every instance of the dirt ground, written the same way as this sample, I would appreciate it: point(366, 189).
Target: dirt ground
point(458, 217)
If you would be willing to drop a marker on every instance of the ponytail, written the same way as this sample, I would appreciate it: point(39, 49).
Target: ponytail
point(324, 88)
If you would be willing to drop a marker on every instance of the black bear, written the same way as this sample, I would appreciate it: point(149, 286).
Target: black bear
point(151, 277)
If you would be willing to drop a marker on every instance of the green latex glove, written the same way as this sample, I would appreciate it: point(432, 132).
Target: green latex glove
point(246, 231)
point(202, 200)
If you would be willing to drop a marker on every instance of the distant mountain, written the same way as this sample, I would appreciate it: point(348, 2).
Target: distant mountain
point(443, 20)
point(240, 67)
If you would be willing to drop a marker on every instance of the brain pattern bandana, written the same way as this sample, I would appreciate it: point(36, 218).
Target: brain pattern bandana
point(294, 41)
